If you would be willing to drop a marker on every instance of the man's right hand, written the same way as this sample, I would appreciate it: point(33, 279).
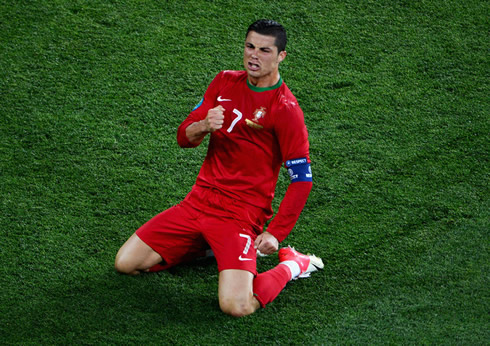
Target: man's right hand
point(215, 119)
point(196, 132)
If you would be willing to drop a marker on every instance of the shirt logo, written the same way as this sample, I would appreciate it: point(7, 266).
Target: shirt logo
point(220, 99)
point(244, 259)
point(258, 114)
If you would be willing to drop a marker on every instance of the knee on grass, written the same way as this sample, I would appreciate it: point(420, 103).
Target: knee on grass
point(124, 266)
point(237, 307)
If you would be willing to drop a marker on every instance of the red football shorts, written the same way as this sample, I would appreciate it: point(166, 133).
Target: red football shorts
point(206, 216)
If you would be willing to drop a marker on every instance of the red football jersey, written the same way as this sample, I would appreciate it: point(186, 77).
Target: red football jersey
point(263, 128)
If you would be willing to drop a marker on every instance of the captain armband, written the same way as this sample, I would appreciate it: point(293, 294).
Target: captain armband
point(299, 170)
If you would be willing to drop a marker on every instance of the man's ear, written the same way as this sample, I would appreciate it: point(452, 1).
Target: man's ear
point(281, 56)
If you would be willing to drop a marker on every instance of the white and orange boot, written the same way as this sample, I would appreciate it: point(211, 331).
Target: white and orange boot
point(307, 263)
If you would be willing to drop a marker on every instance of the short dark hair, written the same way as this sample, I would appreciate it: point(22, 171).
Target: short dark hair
point(270, 28)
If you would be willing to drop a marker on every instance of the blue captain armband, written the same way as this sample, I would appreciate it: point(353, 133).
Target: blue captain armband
point(299, 170)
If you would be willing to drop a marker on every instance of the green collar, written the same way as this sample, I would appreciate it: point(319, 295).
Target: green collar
point(259, 90)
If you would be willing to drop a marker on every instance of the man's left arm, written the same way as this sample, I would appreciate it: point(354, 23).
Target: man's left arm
point(293, 139)
point(289, 211)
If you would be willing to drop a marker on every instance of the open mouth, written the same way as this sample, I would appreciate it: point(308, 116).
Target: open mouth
point(253, 67)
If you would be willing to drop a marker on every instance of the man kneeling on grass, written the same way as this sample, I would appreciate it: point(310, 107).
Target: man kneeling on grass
point(255, 126)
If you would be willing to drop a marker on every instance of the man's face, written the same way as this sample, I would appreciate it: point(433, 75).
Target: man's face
point(260, 56)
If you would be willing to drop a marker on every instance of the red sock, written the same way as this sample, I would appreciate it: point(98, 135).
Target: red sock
point(269, 284)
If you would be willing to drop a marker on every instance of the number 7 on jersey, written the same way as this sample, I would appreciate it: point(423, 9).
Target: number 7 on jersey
point(237, 119)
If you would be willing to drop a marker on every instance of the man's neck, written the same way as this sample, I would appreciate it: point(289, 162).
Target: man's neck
point(265, 81)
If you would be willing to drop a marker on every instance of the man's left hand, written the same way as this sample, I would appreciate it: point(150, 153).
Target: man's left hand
point(266, 243)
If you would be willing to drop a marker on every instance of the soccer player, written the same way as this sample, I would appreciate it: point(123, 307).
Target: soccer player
point(255, 126)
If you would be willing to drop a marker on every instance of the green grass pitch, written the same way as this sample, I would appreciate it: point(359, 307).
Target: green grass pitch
point(396, 100)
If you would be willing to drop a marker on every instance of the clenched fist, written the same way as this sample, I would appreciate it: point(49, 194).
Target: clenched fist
point(215, 119)
point(266, 243)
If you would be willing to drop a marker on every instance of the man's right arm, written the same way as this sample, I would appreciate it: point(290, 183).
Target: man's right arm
point(191, 135)
point(196, 132)
point(204, 118)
